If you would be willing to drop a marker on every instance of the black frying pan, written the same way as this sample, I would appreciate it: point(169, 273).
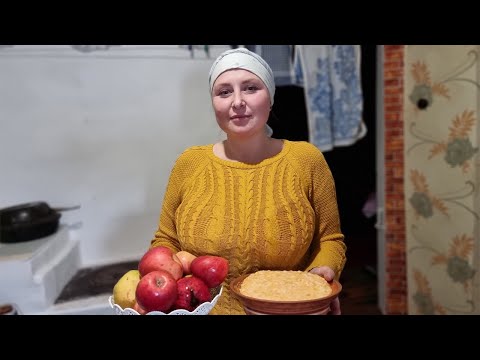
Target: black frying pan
point(29, 221)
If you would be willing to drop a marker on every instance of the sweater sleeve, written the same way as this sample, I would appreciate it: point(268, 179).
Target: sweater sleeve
point(166, 234)
point(328, 247)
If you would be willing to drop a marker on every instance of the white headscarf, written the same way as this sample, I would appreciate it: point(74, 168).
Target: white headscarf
point(242, 58)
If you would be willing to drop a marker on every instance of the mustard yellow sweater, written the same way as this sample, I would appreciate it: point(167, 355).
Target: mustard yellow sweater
point(279, 214)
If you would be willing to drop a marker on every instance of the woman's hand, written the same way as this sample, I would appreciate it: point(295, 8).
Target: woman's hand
point(328, 274)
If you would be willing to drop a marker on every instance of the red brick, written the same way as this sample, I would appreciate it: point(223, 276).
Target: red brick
point(393, 55)
point(395, 82)
point(392, 117)
point(393, 90)
point(396, 284)
point(394, 108)
point(394, 47)
point(393, 99)
point(393, 64)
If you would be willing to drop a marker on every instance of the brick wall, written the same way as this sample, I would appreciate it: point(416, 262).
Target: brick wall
point(395, 260)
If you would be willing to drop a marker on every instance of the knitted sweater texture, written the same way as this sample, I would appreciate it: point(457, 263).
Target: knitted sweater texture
point(279, 214)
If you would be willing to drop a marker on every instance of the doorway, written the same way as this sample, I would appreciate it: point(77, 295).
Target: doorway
point(354, 169)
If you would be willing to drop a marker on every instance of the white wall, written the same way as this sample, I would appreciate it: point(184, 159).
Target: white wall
point(102, 130)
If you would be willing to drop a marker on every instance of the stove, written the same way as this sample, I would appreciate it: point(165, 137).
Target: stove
point(93, 281)
point(33, 273)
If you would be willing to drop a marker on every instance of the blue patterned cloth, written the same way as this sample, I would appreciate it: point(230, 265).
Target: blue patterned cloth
point(330, 75)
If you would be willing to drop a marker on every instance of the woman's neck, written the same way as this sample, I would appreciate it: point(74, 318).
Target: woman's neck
point(252, 151)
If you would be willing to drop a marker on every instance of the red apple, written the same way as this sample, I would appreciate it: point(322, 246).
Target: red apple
point(211, 269)
point(156, 291)
point(192, 292)
point(160, 258)
point(139, 309)
point(186, 259)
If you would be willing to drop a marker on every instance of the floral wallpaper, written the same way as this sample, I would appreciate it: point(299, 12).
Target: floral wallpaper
point(442, 173)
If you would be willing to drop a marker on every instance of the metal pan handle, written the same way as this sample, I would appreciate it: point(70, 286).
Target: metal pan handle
point(66, 208)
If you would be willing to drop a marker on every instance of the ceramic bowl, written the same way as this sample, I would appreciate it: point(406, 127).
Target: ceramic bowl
point(252, 306)
point(202, 309)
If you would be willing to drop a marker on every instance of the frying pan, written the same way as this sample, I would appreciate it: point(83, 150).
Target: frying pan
point(29, 221)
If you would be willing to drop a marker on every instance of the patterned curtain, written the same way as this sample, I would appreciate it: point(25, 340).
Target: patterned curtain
point(330, 75)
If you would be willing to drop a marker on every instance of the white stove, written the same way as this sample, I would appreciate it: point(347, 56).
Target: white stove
point(33, 273)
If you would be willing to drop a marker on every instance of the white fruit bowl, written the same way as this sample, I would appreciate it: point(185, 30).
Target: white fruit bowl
point(202, 309)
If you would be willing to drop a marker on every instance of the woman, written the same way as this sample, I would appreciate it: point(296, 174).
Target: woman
point(261, 203)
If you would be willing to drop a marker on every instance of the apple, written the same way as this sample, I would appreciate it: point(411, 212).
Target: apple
point(156, 291)
point(160, 258)
point(124, 289)
point(186, 259)
point(192, 292)
point(139, 309)
point(211, 269)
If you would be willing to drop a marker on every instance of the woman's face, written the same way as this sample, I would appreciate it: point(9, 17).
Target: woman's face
point(241, 102)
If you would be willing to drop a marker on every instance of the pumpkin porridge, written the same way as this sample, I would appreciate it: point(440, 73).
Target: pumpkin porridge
point(285, 285)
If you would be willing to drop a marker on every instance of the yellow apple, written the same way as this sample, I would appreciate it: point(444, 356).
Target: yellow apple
point(186, 259)
point(124, 289)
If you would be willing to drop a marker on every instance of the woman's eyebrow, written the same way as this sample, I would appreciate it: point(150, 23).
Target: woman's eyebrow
point(249, 80)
